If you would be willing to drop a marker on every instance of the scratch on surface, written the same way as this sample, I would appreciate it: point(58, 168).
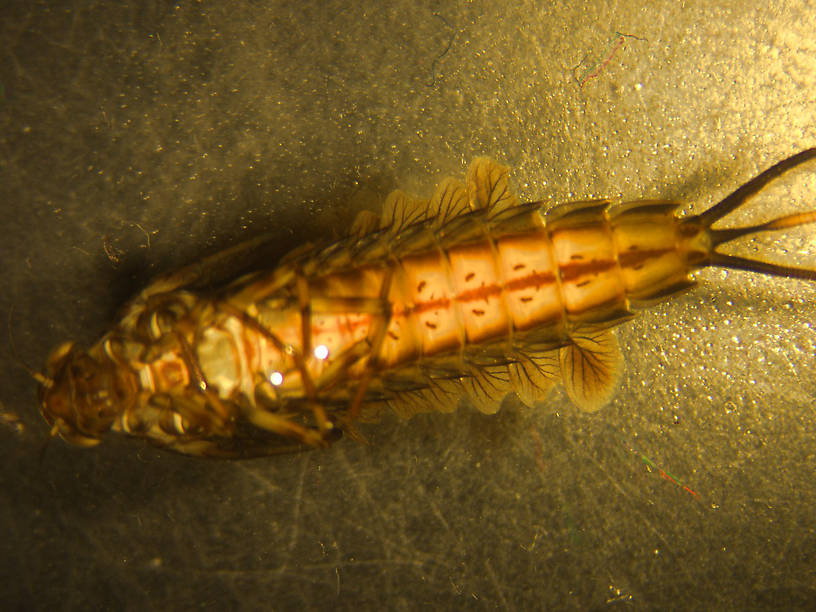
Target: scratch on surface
point(532, 544)
point(397, 545)
point(364, 496)
point(666, 475)
point(616, 42)
point(298, 504)
point(435, 508)
point(574, 532)
point(300, 572)
point(651, 466)
point(444, 53)
point(494, 579)
point(270, 488)
point(144, 231)
point(634, 509)
point(788, 361)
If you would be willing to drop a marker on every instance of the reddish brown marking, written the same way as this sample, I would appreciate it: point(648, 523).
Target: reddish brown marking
point(536, 279)
point(482, 293)
point(583, 283)
point(478, 312)
point(421, 286)
point(346, 324)
point(519, 267)
point(469, 276)
point(349, 325)
point(421, 307)
point(393, 335)
point(430, 325)
point(570, 272)
point(633, 259)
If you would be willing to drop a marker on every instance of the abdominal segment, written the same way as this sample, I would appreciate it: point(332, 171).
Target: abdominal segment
point(467, 293)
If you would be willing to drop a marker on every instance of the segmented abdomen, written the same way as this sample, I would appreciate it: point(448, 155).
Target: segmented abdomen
point(467, 291)
point(414, 306)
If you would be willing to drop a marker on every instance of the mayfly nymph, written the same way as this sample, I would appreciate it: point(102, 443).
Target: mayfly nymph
point(468, 292)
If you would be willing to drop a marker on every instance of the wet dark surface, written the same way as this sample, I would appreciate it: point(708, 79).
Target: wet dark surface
point(136, 139)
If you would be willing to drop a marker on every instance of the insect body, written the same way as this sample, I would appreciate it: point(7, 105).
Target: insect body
point(467, 291)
